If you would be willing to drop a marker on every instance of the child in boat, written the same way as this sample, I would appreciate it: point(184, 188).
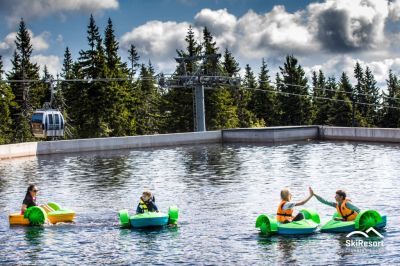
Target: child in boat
point(285, 208)
point(344, 208)
point(146, 203)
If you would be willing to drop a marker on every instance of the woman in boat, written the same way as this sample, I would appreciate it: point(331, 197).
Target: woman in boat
point(284, 213)
point(30, 198)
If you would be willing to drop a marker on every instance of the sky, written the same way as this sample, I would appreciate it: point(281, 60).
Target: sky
point(327, 34)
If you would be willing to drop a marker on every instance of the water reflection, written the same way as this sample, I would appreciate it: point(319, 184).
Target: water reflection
point(219, 189)
point(286, 250)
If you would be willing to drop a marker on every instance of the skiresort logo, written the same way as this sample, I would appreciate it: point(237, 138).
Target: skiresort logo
point(368, 242)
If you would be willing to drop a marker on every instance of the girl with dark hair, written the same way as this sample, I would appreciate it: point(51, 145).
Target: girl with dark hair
point(30, 198)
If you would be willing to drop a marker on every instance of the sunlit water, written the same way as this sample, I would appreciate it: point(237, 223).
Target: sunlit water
point(219, 189)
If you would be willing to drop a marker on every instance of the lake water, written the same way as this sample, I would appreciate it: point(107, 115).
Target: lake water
point(219, 189)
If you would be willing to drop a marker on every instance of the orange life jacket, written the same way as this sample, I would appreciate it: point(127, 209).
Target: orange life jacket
point(284, 215)
point(346, 213)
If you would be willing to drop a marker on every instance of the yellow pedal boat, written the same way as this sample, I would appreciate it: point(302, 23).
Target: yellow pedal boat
point(38, 215)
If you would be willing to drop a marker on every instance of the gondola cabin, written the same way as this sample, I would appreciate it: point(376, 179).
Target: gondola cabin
point(47, 123)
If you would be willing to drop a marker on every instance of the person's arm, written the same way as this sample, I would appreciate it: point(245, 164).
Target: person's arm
point(138, 209)
point(352, 207)
point(23, 208)
point(155, 207)
point(307, 199)
point(324, 201)
point(25, 203)
point(304, 201)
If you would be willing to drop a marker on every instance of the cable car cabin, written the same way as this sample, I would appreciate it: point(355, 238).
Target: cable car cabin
point(47, 123)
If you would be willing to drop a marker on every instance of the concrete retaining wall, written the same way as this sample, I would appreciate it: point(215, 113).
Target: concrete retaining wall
point(101, 144)
point(271, 134)
point(360, 134)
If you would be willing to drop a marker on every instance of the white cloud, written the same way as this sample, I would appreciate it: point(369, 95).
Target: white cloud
point(346, 63)
point(39, 42)
point(41, 8)
point(394, 8)
point(220, 23)
point(52, 62)
point(157, 40)
point(331, 35)
point(8, 45)
point(274, 32)
point(345, 26)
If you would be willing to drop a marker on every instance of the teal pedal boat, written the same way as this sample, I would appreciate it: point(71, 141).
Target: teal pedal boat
point(268, 224)
point(148, 219)
point(363, 221)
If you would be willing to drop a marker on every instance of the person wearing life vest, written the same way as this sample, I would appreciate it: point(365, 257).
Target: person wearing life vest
point(146, 203)
point(284, 213)
point(343, 205)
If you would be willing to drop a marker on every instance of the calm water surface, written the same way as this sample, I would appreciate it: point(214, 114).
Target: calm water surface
point(219, 189)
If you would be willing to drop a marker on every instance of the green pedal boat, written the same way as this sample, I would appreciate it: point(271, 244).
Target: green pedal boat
point(149, 219)
point(269, 225)
point(363, 221)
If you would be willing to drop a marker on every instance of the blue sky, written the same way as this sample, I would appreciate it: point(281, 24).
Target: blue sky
point(327, 34)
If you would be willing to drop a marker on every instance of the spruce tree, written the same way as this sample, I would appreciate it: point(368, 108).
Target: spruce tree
point(371, 98)
point(264, 101)
point(1, 68)
point(391, 101)
point(321, 105)
point(221, 112)
point(6, 104)
point(66, 71)
point(178, 107)
point(230, 65)
point(133, 57)
point(340, 112)
point(243, 98)
point(147, 112)
point(295, 105)
point(28, 96)
point(92, 96)
point(114, 63)
point(359, 96)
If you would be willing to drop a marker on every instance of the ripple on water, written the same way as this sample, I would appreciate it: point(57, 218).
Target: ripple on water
point(220, 190)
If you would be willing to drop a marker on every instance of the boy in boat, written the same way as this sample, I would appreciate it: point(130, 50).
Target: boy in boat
point(146, 203)
point(285, 208)
point(344, 208)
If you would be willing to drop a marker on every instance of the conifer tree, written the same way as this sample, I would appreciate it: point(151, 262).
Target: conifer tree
point(340, 112)
point(243, 97)
point(358, 95)
point(28, 96)
point(371, 98)
point(230, 65)
point(391, 101)
point(178, 105)
point(221, 111)
point(67, 64)
point(147, 112)
point(6, 104)
point(295, 105)
point(133, 57)
point(264, 102)
point(321, 106)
